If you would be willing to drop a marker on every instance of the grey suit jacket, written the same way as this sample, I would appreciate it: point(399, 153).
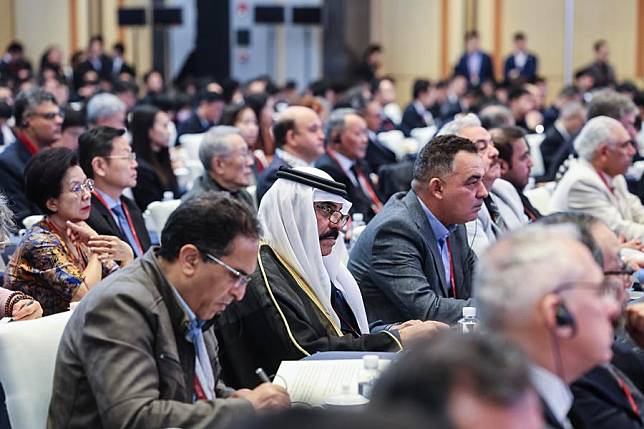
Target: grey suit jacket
point(398, 267)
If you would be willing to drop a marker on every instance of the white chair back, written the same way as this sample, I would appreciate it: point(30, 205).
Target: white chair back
point(28, 354)
point(190, 143)
point(29, 221)
point(159, 212)
point(540, 197)
point(534, 142)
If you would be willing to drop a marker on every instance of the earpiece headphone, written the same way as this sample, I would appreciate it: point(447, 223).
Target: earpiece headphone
point(563, 317)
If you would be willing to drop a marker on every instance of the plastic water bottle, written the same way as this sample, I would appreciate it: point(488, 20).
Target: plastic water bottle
point(369, 375)
point(357, 225)
point(168, 196)
point(469, 323)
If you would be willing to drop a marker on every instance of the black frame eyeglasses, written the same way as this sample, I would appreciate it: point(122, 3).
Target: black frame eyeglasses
point(335, 217)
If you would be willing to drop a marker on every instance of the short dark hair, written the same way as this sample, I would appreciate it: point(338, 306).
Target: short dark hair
point(598, 44)
point(209, 97)
point(516, 93)
point(27, 101)
point(420, 86)
point(584, 223)
point(491, 366)
point(472, 34)
point(503, 139)
point(518, 36)
point(96, 142)
point(122, 86)
point(231, 113)
point(119, 47)
point(44, 175)
point(436, 158)
point(210, 222)
point(73, 118)
point(281, 128)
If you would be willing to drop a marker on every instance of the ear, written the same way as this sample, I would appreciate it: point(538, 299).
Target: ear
point(216, 164)
point(505, 167)
point(98, 166)
point(52, 205)
point(289, 136)
point(548, 309)
point(436, 187)
point(189, 260)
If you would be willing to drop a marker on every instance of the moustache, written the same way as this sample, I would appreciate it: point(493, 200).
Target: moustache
point(331, 234)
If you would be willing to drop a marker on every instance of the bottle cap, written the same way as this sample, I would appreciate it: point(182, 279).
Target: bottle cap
point(370, 361)
point(358, 217)
point(469, 311)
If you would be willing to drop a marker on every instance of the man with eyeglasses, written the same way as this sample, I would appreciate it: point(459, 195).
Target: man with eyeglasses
point(38, 125)
point(302, 299)
point(140, 352)
point(559, 313)
point(227, 163)
point(105, 156)
point(595, 183)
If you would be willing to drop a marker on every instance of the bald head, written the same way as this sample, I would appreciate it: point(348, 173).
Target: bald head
point(299, 132)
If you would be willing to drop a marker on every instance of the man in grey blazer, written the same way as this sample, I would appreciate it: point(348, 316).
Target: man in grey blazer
point(413, 260)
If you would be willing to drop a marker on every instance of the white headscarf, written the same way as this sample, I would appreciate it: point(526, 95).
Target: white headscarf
point(289, 226)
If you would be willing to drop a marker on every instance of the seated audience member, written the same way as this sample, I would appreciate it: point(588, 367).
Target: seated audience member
point(227, 163)
point(377, 153)
point(207, 114)
point(344, 161)
point(416, 114)
point(471, 381)
point(299, 141)
point(557, 146)
point(502, 210)
point(413, 260)
point(515, 162)
point(384, 92)
point(560, 314)
point(38, 122)
point(106, 109)
point(73, 126)
point(150, 129)
point(595, 183)
point(241, 116)
point(106, 157)
point(153, 86)
point(302, 299)
point(496, 116)
point(60, 258)
point(13, 304)
point(127, 92)
point(606, 397)
point(617, 106)
point(264, 107)
point(521, 103)
point(168, 365)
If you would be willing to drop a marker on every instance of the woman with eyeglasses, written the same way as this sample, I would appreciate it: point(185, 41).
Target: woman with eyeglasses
point(60, 258)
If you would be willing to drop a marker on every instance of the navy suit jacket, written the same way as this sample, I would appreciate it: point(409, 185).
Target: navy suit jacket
point(269, 176)
point(528, 71)
point(486, 72)
point(410, 120)
point(102, 221)
point(12, 183)
point(399, 269)
point(378, 155)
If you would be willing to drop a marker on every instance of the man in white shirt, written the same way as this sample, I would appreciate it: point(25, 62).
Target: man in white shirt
point(560, 314)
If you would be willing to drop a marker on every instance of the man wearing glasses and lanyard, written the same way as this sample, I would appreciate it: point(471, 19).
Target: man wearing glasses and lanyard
point(140, 352)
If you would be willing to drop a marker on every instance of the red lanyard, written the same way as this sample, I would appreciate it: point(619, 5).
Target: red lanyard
point(601, 176)
point(364, 184)
point(26, 142)
point(127, 216)
point(198, 389)
point(451, 268)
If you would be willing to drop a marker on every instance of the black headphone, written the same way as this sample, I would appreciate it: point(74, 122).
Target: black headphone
point(563, 317)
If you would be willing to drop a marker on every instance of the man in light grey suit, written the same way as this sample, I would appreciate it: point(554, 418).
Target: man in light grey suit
point(595, 183)
point(413, 261)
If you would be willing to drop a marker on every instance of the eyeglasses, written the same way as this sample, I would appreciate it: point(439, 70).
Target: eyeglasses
point(241, 278)
point(604, 289)
point(624, 272)
point(48, 115)
point(87, 185)
point(130, 156)
point(334, 216)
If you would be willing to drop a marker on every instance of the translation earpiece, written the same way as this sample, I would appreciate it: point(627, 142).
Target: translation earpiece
point(563, 317)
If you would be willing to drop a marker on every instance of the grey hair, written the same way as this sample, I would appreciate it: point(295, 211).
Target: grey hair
point(607, 102)
point(572, 109)
point(518, 270)
point(216, 143)
point(597, 131)
point(336, 123)
point(455, 126)
point(103, 106)
point(7, 225)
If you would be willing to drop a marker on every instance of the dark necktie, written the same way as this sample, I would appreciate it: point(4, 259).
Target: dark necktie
point(125, 228)
point(348, 323)
point(495, 214)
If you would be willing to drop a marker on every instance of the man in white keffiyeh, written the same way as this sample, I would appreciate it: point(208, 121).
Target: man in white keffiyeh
point(302, 299)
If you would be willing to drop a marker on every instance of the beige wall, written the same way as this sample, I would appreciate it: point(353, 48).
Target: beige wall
point(411, 35)
point(37, 31)
point(6, 22)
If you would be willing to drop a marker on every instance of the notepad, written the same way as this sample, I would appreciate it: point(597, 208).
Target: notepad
point(313, 381)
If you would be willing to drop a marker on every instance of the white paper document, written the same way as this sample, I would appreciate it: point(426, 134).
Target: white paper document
point(313, 381)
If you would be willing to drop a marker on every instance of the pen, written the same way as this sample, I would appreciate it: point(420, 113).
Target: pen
point(262, 375)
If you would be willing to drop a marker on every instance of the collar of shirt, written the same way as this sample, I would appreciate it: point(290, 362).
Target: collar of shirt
point(520, 58)
point(553, 391)
point(111, 202)
point(420, 109)
point(292, 160)
point(192, 318)
point(346, 164)
point(440, 231)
